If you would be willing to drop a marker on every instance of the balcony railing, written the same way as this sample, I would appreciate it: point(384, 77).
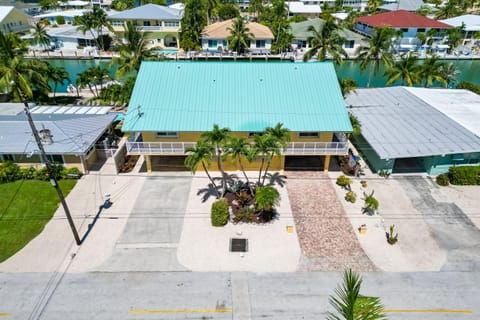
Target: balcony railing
point(148, 28)
point(293, 148)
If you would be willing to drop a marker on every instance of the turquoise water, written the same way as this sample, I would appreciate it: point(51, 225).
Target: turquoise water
point(469, 71)
point(165, 51)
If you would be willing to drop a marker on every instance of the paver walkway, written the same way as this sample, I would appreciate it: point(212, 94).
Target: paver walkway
point(326, 236)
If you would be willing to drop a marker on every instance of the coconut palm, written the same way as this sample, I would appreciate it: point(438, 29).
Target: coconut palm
point(378, 51)
point(100, 21)
point(217, 138)
point(84, 80)
point(240, 36)
point(431, 70)
point(448, 10)
point(57, 75)
point(40, 37)
point(92, 22)
point(349, 304)
point(266, 147)
point(326, 40)
point(280, 137)
point(347, 85)
point(132, 52)
point(193, 22)
point(407, 69)
point(201, 154)
point(211, 5)
point(449, 72)
point(454, 36)
point(18, 76)
point(238, 148)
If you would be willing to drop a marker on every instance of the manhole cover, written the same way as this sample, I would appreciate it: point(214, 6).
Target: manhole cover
point(238, 245)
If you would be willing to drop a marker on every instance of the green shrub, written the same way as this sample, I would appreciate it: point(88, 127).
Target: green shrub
point(469, 86)
point(60, 20)
point(9, 171)
point(363, 183)
point(351, 196)
point(41, 174)
point(71, 173)
point(219, 214)
point(371, 203)
point(442, 179)
point(465, 175)
point(344, 181)
point(27, 173)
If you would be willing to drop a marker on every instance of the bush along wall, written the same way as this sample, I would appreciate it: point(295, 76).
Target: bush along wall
point(465, 175)
point(219, 215)
point(10, 171)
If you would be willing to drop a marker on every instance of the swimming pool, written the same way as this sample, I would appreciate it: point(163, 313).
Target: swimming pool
point(165, 51)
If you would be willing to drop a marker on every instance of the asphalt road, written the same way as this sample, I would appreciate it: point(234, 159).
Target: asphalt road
point(242, 296)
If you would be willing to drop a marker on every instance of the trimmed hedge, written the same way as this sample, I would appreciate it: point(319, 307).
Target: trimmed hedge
point(465, 175)
point(219, 215)
point(10, 171)
point(443, 180)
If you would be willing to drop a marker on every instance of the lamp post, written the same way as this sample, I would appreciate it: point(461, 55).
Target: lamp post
point(51, 174)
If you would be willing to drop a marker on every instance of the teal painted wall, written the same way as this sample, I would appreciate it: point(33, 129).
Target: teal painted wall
point(436, 165)
point(370, 156)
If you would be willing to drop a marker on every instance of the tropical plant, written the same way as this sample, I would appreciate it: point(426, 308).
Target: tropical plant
point(118, 93)
point(431, 70)
point(94, 21)
point(373, 5)
point(120, 5)
point(326, 40)
point(275, 17)
point(278, 137)
point(93, 77)
point(256, 7)
point(351, 196)
point(454, 36)
point(20, 77)
point(371, 203)
point(448, 10)
point(240, 36)
point(201, 154)
point(378, 51)
point(238, 148)
point(48, 4)
point(57, 75)
point(344, 181)
point(40, 37)
point(392, 237)
point(349, 304)
point(218, 138)
point(227, 11)
point(347, 85)
point(356, 125)
point(210, 5)
point(448, 72)
point(266, 198)
point(193, 22)
point(469, 86)
point(219, 214)
point(406, 68)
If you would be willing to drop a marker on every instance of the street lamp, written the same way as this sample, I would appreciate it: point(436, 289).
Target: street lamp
point(51, 174)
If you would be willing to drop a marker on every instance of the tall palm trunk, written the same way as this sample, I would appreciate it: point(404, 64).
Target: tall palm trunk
point(211, 179)
point(220, 168)
point(269, 161)
point(261, 169)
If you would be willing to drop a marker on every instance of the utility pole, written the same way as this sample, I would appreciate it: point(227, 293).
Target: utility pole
point(51, 174)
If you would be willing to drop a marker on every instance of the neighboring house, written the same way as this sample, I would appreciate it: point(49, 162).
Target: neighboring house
point(172, 104)
point(104, 4)
point(74, 4)
point(297, 8)
point(301, 34)
point(71, 38)
point(71, 141)
point(13, 20)
point(409, 23)
point(417, 129)
point(68, 15)
point(408, 5)
point(471, 23)
point(214, 36)
point(354, 4)
point(160, 24)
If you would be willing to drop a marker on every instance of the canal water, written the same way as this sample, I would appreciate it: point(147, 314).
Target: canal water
point(469, 71)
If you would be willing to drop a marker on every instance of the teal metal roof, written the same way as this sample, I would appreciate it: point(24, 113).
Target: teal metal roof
point(242, 96)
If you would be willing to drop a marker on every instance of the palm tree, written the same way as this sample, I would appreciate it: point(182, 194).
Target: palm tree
point(347, 85)
point(18, 76)
point(83, 80)
point(378, 52)
point(431, 70)
point(193, 22)
point(132, 52)
point(449, 72)
point(217, 138)
point(266, 198)
point(211, 5)
point(240, 36)
point(92, 22)
point(372, 5)
point(448, 10)
point(280, 137)
point(265, 146)
point(238, 148)
point(407, 69)
point(350, 305)
point(57, 75)
point(454, 36)
point(326, 40)
point(100, 21)
point(40, 37)
point(201, 154)
point(256, 7)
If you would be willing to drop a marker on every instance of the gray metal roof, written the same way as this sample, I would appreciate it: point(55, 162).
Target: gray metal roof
point(398, 124)
point(72, 134)
point(149, 11)
point(409, 5)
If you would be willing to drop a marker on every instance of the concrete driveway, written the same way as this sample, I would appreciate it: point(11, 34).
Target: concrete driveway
point(151, 235)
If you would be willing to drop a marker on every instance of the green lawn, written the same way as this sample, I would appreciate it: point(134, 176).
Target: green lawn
point(25, 208)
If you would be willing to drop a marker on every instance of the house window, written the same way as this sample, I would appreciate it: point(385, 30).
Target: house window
point(212, 44)
point(252, 134)
point(308, 134)
point(260, 43)
point(172, 23)
point(117, 23)
point(166, 134)
point(421, 30)
point(8, 157)
point(349, 44)
point(55, 158)
point(224, 43)
point(404, 30)
point(146, 23)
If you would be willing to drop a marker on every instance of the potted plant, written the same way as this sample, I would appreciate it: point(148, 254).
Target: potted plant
point(391, 237)
point(371, 204)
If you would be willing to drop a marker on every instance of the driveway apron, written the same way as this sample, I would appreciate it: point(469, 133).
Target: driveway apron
point(150, 238)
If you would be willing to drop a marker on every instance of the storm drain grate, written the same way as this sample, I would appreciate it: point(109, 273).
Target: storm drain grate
point(238, 245)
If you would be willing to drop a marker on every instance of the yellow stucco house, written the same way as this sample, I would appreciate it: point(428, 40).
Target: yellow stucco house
point(173, 103)
point(13, 20)
point(160, 24)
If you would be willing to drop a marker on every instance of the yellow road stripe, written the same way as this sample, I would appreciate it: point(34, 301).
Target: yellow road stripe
point(5, 314)
point(180, 311)
point(428, 311)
